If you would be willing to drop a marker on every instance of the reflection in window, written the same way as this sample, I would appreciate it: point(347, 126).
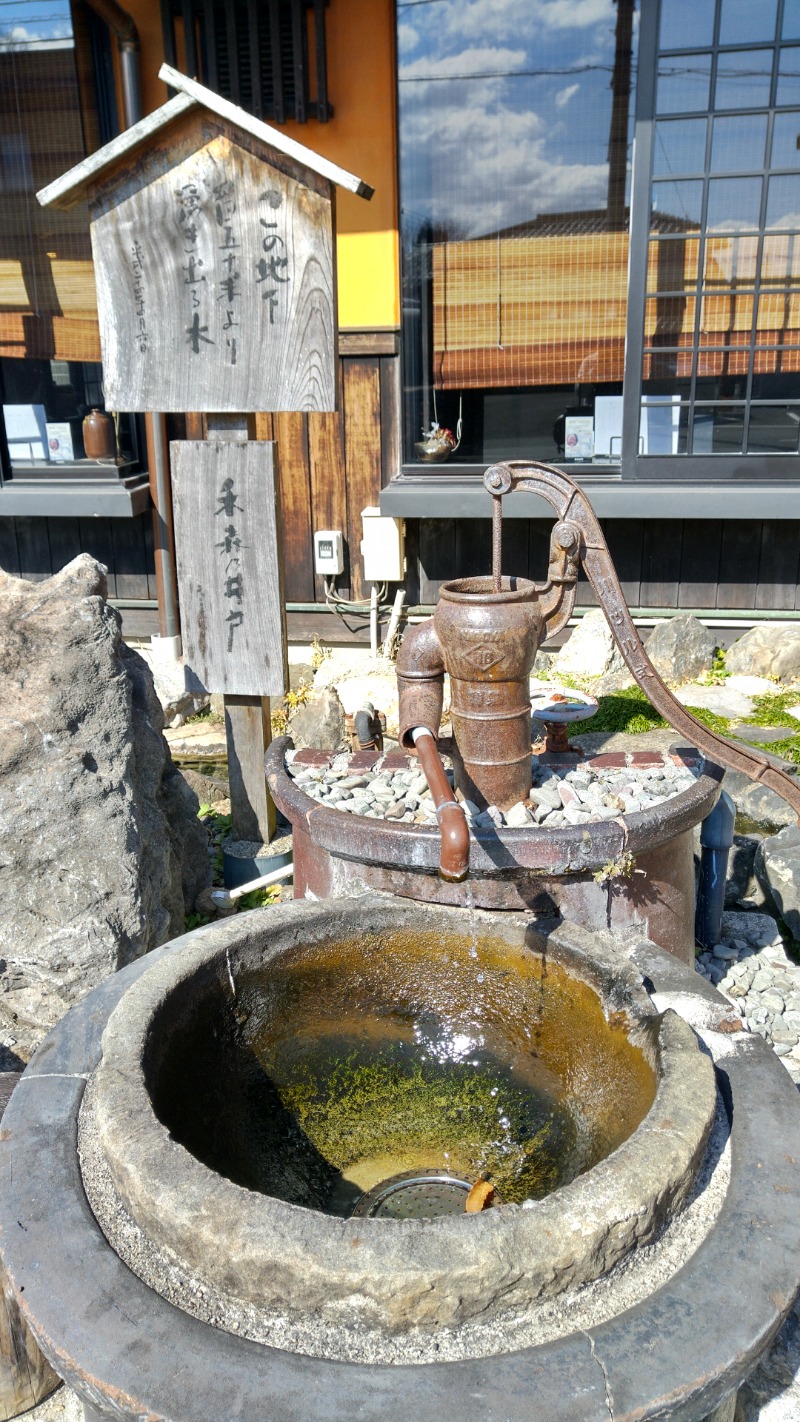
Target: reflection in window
point(514, 158)
point(682, 85)
point(738, 143)
point(686, 22)
point(788, 77)
point(747, 21)
point(680, 146)
point(744, 78)
point(733, 204)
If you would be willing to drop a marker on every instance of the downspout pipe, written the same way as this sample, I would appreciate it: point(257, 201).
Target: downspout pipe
point(716, 839)
point(124, 30)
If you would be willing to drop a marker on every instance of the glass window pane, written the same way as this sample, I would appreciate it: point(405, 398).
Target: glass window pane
point(727, 315)
point(788, 91)
point(781, 260)
point(776, 384)
point(720, 362)
point(672, 264)
point(738, 143)
point(786, 141)
point(662, 419)
point(680, 146)
point(783, 203)
point(682, 85)
point(774, 429)
point(677, 202)
point(718, 429)
point(743, 21)
point(791, 19)
point(667, 318)
point(677, 385)
point(686, 22)
point(744, 79)
point(778, 318)
point(733, 204)
point(730, 261)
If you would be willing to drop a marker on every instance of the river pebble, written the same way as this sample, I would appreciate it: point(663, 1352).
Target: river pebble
point(560, 794)
point(754, 972)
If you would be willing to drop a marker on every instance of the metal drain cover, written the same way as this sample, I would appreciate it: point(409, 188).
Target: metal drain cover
point(415, 1195)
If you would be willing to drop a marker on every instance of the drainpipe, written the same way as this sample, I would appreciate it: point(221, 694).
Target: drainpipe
point(123, 28)
point(716, 839)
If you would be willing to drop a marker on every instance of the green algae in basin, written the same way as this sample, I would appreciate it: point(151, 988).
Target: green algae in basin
point(347, 1062)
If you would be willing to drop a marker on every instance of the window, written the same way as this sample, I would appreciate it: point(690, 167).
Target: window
point(720, 339)
point(552, 309)
point(514, 166)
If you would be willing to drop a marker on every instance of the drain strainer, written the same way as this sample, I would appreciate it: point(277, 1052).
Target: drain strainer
point(415, 1195)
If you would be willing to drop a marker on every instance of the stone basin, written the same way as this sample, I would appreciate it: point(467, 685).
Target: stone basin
point(252, 1088)
point(139, 1328)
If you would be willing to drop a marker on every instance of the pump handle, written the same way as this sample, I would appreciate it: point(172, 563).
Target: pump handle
point(569, 503)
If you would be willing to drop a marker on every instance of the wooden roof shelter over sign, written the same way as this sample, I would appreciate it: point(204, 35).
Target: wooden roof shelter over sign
point(213, 245)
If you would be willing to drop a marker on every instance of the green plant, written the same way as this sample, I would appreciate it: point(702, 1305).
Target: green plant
point(620, 868)
point(772, 709)
point(319, 653)
point(720, 724)
point(628, 711)
point(279, 718)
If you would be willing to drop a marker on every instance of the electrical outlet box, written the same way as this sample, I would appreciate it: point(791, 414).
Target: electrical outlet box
point(383, 547)
point(328, 552)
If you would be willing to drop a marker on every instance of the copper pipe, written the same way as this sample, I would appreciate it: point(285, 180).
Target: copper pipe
point(450, 817)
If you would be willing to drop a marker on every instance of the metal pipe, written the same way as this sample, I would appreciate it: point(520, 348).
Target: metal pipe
point(716, 838)
point(450, 816)
point(162, 525)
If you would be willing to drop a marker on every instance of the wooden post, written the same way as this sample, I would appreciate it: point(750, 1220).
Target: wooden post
point(248, 721)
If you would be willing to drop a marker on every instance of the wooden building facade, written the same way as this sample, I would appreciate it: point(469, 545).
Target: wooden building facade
point(515, 325)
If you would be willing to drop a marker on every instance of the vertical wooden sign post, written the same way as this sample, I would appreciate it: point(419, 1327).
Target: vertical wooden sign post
point(214, 250)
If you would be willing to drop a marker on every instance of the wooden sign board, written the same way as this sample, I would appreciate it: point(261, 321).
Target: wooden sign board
point(215, 279)
point(229, 572)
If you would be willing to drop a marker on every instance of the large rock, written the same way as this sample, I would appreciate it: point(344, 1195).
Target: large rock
point(771, 649)
point(590, 649)
point(102, 852)
point(777, 865)
point(680, 648)
point(320, 722)
point(756, 802)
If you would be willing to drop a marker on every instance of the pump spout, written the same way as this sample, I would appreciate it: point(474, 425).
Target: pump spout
point(453, 827)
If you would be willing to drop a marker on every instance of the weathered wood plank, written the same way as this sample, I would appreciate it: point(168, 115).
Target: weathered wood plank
point(33, 549)
point(362, 452)
point(390, 418)
point(229, 570)
point(9, 554)
point(25, 1375)
point(294, 483)
point(779, 565)
point(215, 282)
point(738, 567)
point(702, 543)
point(329, 485)
point(96, 540)
point(369, 343)
point(661, 563)
point(624, 538)
point(65, 541)
point(130, 557)
point(248, 732)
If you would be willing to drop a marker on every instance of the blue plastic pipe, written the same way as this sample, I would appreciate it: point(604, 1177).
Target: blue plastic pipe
point(716, 838)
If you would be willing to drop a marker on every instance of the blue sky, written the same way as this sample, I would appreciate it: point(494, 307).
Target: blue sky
point(31, 23)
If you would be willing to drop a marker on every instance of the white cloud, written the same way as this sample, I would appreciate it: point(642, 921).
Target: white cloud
point(514, 19)
point(59, 36)
point(407, 37)
point(495, 165)
point(564, 95)
point(467, 62)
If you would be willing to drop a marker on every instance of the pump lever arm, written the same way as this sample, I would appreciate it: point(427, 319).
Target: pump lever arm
point(571, 505)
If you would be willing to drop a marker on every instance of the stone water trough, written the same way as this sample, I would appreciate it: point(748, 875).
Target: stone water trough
point(234, 1177)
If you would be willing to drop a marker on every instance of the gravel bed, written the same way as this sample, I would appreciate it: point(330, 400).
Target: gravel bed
point(751, 967)
point(565, 794)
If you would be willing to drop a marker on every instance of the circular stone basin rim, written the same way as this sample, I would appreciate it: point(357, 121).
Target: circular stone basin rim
point(396, 1273)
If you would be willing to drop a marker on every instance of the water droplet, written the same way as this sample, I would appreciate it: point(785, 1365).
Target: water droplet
point(479, 978)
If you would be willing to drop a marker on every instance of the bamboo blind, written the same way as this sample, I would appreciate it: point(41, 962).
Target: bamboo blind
point(551, 310)
point(48, 304)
